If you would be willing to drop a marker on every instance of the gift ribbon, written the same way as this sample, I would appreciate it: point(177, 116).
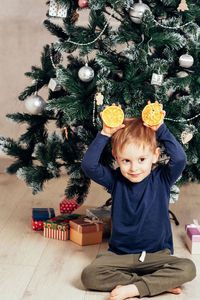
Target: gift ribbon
point(90, 221)
point(57, 10)
point(49, 212)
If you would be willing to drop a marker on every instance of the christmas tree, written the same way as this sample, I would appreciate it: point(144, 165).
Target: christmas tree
point(151, 53)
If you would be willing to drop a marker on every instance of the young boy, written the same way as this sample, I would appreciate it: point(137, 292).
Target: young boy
point(138, 261)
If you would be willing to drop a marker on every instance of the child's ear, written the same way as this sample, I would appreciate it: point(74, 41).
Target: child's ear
point(156, 155)
point(114, 155)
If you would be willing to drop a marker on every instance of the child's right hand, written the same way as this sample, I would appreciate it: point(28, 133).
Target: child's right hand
point(109, 131)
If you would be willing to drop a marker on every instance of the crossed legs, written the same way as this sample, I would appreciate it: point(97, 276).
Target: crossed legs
point(125, 276)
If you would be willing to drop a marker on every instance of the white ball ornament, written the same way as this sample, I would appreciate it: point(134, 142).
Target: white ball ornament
point(35, 104)
point(137, 11)
point(186, 61)
point(86, 74)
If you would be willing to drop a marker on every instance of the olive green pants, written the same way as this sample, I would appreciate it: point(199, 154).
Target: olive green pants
point(159, 272)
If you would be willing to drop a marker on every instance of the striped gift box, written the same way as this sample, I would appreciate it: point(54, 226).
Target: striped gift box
point(57, 234)
point(57, 228)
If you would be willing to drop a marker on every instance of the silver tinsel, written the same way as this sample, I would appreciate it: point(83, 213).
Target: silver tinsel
point(86, 74)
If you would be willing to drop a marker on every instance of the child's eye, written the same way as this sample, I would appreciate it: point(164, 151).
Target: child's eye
point(125, 161)
point(141, 159)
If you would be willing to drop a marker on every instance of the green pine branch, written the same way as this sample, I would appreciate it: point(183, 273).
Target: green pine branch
point(40, 76)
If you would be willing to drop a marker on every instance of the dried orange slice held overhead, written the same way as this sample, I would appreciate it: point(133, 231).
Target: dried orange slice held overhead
point(152, 114)
point(113, 116)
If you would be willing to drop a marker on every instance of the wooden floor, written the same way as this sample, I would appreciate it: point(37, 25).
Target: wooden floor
point(36, 268)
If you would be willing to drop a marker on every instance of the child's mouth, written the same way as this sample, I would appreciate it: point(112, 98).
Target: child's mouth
point(134, 174)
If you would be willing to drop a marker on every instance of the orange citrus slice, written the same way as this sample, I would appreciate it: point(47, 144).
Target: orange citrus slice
point(113, 116)
point(152, 114)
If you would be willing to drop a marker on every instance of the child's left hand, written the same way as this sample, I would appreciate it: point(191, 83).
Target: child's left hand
point(155, 128)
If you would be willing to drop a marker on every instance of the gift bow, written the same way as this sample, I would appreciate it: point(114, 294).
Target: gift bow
point(196, 223)
point(91, 221)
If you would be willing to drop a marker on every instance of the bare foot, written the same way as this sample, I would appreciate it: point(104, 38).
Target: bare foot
point(176, 291)
point(122, 292)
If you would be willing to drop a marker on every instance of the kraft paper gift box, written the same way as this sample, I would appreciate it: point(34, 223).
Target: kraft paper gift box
point(42, 214)
point(58, 227)
point(37, 225)
point(103, 214)
point(86, 231)
point(192, 238)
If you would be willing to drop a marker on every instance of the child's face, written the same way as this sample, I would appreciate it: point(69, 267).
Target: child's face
point(136, 162)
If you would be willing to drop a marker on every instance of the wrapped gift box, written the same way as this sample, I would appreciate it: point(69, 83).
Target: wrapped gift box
point(86, 231)
point(58, 227)
point(56, 10)
point(42, 214)
point(54, 85)
point(192, 238)
point(103, 214)
point(37, 225)
point(67, 206)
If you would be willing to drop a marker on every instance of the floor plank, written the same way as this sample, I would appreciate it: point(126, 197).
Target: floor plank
point(14, 279)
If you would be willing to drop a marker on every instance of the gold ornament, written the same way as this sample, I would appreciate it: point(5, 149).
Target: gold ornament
point(66, 132)
point(183, 6)
point(99, 98)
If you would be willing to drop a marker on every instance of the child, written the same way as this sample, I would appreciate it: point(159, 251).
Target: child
point(138, 261)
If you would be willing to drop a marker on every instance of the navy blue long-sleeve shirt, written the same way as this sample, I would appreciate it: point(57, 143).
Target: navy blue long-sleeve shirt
point(140, 217)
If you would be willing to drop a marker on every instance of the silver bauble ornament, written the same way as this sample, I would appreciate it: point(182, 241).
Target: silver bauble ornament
point(35, 104)
point(137, 11)
point(186, 61)
point(86, 73)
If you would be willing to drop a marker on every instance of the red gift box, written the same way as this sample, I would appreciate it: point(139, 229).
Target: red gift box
point(37, 225)
point(67, 206)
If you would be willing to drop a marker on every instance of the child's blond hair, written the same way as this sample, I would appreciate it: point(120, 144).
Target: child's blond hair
point(134, 131)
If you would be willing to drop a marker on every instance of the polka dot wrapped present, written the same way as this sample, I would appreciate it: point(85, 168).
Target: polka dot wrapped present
point(67, 206)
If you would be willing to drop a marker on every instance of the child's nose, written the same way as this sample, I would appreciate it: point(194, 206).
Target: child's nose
point(133, 167)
